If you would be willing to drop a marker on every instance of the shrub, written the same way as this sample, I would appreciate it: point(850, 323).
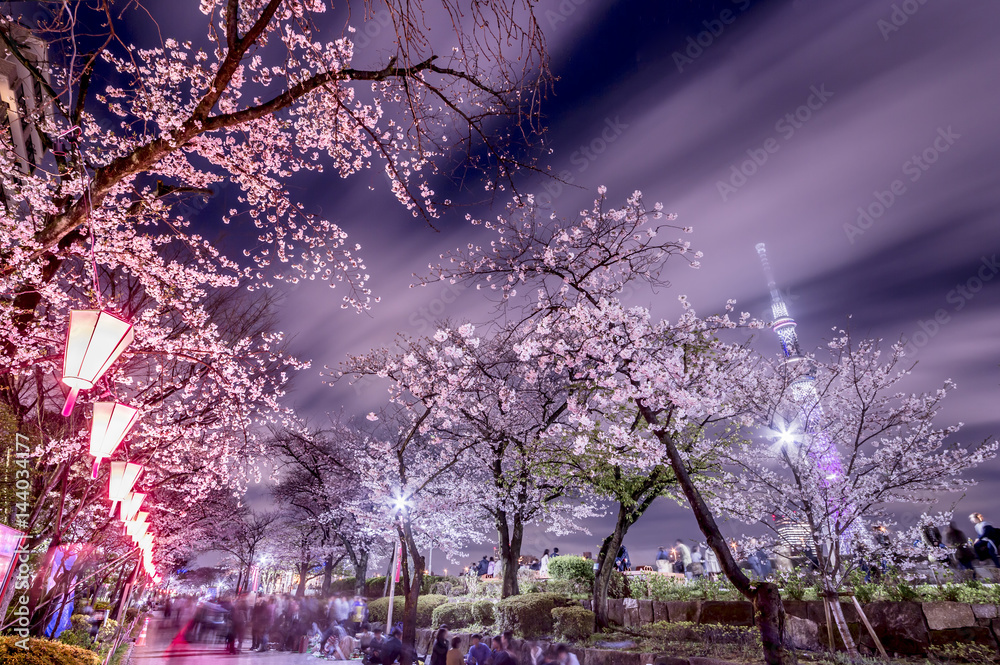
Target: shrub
point(346, 585)
point(454, 615)
point(530, 615)
point(378, 609)
point(374, 586)
point(482, 612)
point(102, 606)
point(44, 652)
point(618, 585)
point(131, 613)
point(574, 624)
point(792, 583)
point(575, 569)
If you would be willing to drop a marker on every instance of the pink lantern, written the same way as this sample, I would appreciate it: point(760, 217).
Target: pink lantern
point(112, 421)
point(95, 340)
point(130, 506)
point(123, 477)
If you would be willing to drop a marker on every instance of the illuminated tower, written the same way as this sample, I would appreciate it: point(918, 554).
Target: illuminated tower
point(784, 325)
point(820, 448)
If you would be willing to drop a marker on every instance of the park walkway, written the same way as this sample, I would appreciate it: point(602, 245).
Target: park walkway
point(165, 646)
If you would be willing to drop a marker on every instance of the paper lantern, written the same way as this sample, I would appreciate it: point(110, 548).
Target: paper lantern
point(112, 421)
point(95, 340)
point(130, 506)
point(123, 477)
point(137, 530)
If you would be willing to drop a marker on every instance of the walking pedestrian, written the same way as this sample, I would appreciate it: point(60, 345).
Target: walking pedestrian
point(543, 564)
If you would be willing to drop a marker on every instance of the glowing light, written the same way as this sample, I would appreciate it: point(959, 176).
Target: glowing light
point(112, 422)
point(123, 477)
point(94, 341)
point(130, 505)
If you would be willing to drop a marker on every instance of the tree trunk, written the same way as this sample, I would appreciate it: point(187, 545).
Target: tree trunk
point(510, 551)
point(411, 591)
point(327, 575)
point(769, 613)
point(359, 559)
point(303, 569)
point(838, 618)
point(606, 566)
point(360, 563)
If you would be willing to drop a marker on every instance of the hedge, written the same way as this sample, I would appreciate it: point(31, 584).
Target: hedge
point(375, 586)
point(453, 615)
point(575, 624)
point(378, 609)
point(44, 652)
point(482, 612)
point(346, 585)
point(576, 569)
point(530, 615)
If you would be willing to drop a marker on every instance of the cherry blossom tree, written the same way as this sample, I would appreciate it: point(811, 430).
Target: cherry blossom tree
point(676, 376)
point(319, 480)
point(847, 401)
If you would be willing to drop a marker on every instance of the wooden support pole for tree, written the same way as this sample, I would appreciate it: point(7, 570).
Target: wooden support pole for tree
point(868, 625)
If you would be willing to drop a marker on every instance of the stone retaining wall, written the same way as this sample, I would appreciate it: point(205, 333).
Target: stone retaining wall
point(904, 628)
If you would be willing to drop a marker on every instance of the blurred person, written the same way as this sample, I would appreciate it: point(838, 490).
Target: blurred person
point(392, 648)
point(491, 567)
point(564, 656)
point(963, 556)
point(439, 652)
point(988, 540)
point(543, 563)
point(373, 651)
point(454, 656)
point(483, 567)
point(359, 612)
point(478, 653)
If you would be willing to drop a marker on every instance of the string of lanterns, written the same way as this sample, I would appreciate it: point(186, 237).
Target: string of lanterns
point(95, 339)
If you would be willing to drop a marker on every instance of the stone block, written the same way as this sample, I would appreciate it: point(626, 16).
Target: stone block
point(630, 609)
point(965, 635)
point(727, 612)
point(985, 611)
point(670, 660)
point(616, 611)
point(801, 633)
point(616, 657)
point(684, 610)
point(948, 615)
point(900, 626)
point(660, 611)
point(645, 612)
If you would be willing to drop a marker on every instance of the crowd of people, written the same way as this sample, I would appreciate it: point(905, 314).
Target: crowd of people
point(338, 626)
point(961, 551)
point(500, 651)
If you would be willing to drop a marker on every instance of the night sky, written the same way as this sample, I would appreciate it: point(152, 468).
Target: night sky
point(755, 122)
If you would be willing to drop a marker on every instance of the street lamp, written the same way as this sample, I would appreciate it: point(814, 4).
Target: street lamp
point(112, 422)
point(94, 341)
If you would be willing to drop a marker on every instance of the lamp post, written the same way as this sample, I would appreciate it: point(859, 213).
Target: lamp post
point(399, 507)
